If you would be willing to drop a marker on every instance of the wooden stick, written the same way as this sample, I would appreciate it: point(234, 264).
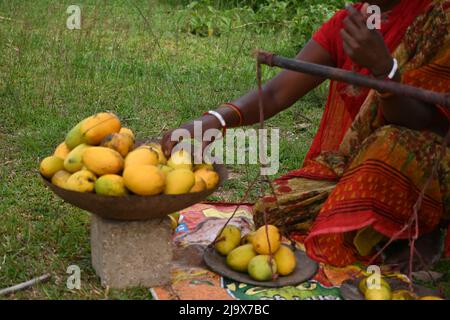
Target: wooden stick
point(270, 59)
point(24, 285)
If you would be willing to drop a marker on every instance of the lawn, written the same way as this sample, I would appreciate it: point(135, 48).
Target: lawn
point(132, 58)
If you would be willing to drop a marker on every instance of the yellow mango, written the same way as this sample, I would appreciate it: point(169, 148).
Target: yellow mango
point(74, 137)
point(286, 261)
point(431, 298)
point(248, 238)
point(128, 132)
point(260, 240)
point(95, 128)
point(210, 177)
point(74, 160)
point(164, 169)
point(157, 147)
point(180, 159)
point(403, 295)
point(141, 156)
point(381, 293)
point(81, 181)
point(206, 166)
point(110, 185)
point(60, 178)
point(179, 181)
point(50, 165)
point(122, 143)
point(199, 185)
point(363, 284)
point(62, 150)
point(101, 160)
point(262, 268)
point(144, 180)
point(239, 258)
point(228, 240)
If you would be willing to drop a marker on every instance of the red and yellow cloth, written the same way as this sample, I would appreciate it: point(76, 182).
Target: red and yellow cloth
point(361, 172)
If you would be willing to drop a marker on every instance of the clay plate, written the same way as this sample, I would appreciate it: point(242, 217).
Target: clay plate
point(350, 290)
point(135, 207)
point(305, 270)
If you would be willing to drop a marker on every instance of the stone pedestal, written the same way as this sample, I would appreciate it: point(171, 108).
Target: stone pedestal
point(131, 253)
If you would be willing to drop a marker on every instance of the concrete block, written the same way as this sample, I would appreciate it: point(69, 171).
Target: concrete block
point(131, 253)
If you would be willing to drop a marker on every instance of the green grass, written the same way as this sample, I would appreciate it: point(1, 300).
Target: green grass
point(153, 76)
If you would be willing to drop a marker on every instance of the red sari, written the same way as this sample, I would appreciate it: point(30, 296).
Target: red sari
point(360, 172)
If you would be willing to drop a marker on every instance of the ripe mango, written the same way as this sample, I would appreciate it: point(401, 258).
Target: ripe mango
point(248, 238)
point(74, 137)
point(210, 177)
point(260, 240)
point(431, 298)
point(165, 169)
point(285, 260)
point(403, 295)
point(228, 239)
point(363, 284)
point(381, 293)
point(101, 160)
point(180, 159)
point(199, 185)
point(157, 147)
point(62, 150)
point(262, 268)
point(95, 128)
point(141, 156)
point(50, 165)
point(239, 258)
point(179, 181)
point(122, 143)
point(144, 180)
point(92, 130)
point(128, 132)
point(60, 178)
point(111, 185)
point(206, 166)
point(81, 181)
point(74, 160)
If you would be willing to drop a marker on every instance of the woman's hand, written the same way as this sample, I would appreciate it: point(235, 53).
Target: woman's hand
point(207, 122)
point(365, 47)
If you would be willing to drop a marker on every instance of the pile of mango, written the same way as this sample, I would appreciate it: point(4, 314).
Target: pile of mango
point(99, 155)
point(384, 292)
point(252, 253)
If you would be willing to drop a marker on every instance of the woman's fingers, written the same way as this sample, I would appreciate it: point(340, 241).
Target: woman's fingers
point(167, 144)
point(349, 41)
point(351, 28)
point(357, 17)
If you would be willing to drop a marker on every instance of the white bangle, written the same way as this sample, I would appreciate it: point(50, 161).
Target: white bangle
point(219, 117)
point(394, 70)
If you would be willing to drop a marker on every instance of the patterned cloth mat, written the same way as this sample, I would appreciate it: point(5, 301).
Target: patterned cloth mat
point(191, 280)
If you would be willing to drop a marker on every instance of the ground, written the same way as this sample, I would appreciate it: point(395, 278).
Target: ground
point(130, 58)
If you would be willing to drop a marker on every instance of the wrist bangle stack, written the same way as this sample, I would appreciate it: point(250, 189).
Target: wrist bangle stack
point(219, 117)
point(236, 110)
point(390, 76)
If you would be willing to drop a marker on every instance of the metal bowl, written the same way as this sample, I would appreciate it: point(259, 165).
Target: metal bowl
point(134, 207)
point(305, 270)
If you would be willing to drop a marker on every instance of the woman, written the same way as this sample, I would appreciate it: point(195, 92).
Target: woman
point(374, 150)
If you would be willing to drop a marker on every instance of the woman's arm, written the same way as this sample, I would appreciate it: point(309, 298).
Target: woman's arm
point(367, 48)
point(278, 94)
point(286, 88)
point(413, 114)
